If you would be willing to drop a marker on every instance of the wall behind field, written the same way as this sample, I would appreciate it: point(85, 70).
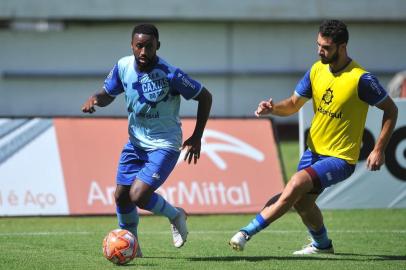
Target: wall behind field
point(54, 54)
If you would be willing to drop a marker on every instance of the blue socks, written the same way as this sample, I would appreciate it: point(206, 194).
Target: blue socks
point(158, 205)
point(128, 218)
point(320, 238)
point(255, 226)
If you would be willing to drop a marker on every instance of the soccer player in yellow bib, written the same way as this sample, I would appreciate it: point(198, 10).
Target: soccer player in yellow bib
point(341, 91)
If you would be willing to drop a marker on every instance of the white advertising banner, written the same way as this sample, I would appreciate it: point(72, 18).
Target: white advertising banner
point(31, 181)
point(385, 188)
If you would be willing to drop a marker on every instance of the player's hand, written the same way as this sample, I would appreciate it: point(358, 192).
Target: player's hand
point(88, 107)
point(375, 160)
point(264, 108)
point(193, 146)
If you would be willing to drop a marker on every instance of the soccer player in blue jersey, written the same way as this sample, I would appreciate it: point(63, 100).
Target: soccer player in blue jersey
point(341, 91)
point(153, 90)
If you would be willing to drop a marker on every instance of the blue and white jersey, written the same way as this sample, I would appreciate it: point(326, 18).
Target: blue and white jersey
point(153, 101)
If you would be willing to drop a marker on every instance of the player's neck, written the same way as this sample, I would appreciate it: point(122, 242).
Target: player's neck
point(340, 64)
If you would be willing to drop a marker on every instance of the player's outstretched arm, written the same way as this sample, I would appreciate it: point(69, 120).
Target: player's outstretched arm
point(100, 99)
point(285, 107)
point(390, 114)
point(193, 144)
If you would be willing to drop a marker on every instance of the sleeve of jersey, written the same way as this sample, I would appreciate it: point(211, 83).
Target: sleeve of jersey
point(112, 84)
point(304, 87)
point(185, 85)
point(370, 90)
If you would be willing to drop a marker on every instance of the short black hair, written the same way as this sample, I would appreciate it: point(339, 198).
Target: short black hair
point(335, 29)
point(146, 28)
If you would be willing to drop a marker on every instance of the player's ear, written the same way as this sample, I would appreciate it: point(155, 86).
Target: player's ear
point(158, 45)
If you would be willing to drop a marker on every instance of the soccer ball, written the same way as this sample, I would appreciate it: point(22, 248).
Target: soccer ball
point(120, 246)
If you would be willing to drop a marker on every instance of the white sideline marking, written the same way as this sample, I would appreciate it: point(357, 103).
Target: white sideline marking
point(301, 231)
point(42, 233)
point(203, 232)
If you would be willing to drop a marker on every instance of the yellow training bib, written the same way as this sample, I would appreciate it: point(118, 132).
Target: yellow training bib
point(339, 114)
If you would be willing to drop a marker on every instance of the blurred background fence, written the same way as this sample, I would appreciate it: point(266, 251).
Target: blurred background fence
point(55, 53)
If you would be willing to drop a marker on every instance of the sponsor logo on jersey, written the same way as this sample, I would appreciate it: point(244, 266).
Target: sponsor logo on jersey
point(186, 82)
point(327, 99)
point(375, 87)
point(330, 113)
point(156, 176)
point(328, 96)
point(153, 87)
point(154, 115)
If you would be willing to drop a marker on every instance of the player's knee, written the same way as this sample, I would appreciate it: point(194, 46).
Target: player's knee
point(121, 197)
point(138, 198)
point(135, 197)
point(299, 184)
point(296, 183)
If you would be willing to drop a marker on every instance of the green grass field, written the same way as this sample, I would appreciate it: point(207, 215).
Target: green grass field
point(363, 239)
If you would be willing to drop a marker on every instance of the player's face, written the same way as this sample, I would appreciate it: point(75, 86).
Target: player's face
point(327, 49)
point(144, 48)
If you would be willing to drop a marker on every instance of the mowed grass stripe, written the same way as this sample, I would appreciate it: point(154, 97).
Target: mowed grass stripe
point(205, 232)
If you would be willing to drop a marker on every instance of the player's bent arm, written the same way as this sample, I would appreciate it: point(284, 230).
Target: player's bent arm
point(390, 112)
point(100, 99)
point(193, 144)
point(103, 98)
point(390, 115)
point(289, 106)
point(203, 111)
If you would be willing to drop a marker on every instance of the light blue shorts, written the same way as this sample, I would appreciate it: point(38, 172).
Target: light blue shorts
point(151, 167)
point(325, 170)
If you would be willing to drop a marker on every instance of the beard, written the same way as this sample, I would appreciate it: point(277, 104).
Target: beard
point(330, 60)
point(144, 63)
point(147, 63)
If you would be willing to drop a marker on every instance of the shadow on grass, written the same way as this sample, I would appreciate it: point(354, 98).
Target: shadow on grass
point(335, 257)
point(138, 262)
point(376, 257)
